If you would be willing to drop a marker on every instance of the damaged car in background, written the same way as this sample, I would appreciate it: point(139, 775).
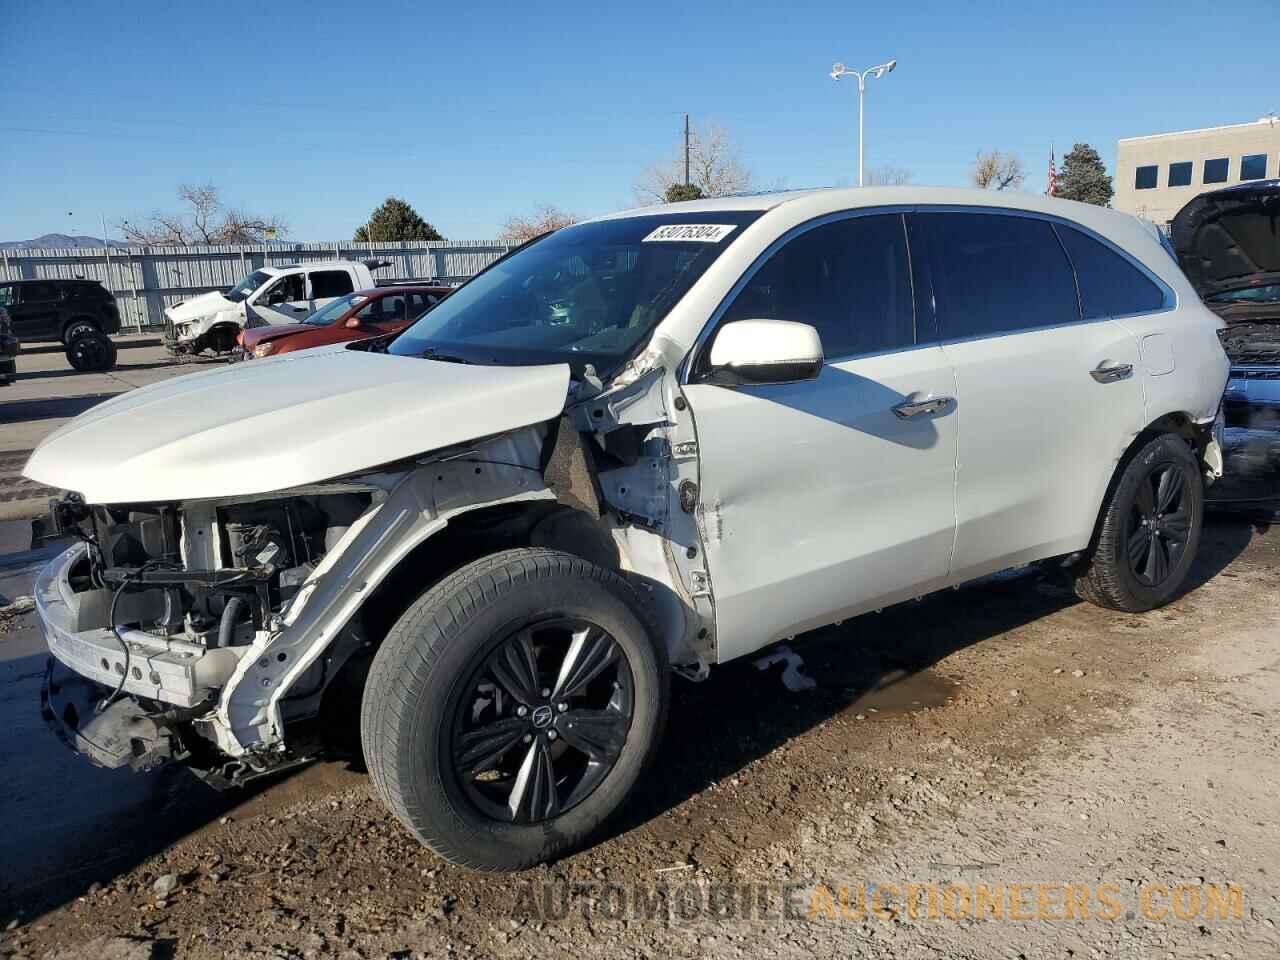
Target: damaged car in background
point(641, 445)
point(1228, 242)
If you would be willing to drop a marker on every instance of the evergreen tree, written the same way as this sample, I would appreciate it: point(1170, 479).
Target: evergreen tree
point(395, 220)
point(1084, 178)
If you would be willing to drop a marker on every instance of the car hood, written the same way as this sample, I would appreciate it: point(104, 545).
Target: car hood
point(1228, 238)
point(200, 305)
point(252, 336)
point(278, 423)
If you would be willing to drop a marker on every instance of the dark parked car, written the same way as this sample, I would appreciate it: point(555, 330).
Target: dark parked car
point(8, 349)
point(59, 309)
point(1228, 244)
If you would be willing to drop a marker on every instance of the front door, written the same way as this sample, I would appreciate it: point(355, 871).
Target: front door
point(284, 301)
point(827, 498)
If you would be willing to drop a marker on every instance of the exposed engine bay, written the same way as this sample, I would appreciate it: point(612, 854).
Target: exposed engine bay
point(233, 635)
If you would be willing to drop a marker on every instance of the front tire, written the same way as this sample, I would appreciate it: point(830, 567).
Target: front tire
point(513, 707)
point(91, 352)
point(1150, 529)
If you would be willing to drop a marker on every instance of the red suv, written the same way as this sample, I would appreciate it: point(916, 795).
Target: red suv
point(365, 313)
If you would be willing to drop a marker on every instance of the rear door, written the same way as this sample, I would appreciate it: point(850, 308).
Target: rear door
point(328, 285)
point(36, 311)
point(1039, 433)
point(822, 499)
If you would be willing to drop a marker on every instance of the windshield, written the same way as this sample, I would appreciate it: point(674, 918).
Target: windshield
point(1268, 293)
point(332, 312)
point(591, 293)
point(249, 284)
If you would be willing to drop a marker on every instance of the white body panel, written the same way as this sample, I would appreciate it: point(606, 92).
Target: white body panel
point(818, 502)
point(312, 415)
point(1039, 441)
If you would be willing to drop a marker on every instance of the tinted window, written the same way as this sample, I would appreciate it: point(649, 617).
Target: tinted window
point(1144, 178)
point(388, 309)
point(6, 296)
point(1215, 171)
point(419, 302)
point(1110, 286)
point(330, 283)
point(992, 273)
point(1253, 167)
point(1180, 174)
point(849, 279)
point(39, 292)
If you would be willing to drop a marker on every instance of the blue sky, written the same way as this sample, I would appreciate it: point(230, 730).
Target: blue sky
point(318, 111)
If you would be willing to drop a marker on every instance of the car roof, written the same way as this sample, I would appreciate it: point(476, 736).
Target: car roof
point(13, 283)
point(822, 200)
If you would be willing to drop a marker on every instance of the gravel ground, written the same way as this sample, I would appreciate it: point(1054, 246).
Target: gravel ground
point(1004, 734)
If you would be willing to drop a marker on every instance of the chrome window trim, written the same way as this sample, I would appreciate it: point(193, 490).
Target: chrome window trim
point(1170, 297)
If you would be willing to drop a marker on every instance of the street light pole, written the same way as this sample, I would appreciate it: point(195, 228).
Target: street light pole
point(876, 72)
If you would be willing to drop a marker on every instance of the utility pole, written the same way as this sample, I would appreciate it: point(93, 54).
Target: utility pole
point(686, 149)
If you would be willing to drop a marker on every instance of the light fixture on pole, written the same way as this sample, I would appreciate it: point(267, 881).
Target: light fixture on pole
point(876, 72)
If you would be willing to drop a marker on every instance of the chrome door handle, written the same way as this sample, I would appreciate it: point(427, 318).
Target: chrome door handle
point(1108, 372)
point(913, 408)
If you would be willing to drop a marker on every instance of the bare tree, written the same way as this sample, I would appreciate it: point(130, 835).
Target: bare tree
point(993, 170)
point(888, 176)
point(205, 220)
point(715, 167)
point(545, 218)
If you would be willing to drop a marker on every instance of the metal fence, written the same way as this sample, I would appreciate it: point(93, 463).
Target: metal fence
point(145, 280)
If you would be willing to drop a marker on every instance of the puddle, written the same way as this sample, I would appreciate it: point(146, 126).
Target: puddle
point(899, 692)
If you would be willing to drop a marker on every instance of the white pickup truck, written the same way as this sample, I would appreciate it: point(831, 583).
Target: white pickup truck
point(270, 295)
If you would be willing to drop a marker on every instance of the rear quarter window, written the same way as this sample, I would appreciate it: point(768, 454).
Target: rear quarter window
point(1110, 286)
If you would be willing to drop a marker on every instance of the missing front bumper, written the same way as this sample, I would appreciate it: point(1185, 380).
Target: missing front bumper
point(170, 671)
point(116, 734)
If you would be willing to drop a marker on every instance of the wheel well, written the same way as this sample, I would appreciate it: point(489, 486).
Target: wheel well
point(222, 336)
point(1177, 423)
point(80, 318)
point(478, 533)
point(468, 537)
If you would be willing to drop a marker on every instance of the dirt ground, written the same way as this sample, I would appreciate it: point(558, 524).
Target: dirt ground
point(1003, 736)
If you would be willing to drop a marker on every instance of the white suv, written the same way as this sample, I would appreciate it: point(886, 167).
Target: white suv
point(656, 441)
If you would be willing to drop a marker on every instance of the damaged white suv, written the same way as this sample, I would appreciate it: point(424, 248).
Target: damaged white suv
point(655, 441)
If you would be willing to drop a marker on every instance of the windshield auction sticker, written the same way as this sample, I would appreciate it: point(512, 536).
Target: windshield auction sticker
point(690, 233)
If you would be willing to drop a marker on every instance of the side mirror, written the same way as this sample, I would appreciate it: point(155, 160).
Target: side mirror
point(765, 351)
point(353, 323)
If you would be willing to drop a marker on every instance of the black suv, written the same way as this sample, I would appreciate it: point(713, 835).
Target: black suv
point(59, 309)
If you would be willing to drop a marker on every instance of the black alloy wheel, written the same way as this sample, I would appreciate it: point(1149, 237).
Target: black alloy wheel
point(543, 720)
point(1159, 525)
point(1149, 528)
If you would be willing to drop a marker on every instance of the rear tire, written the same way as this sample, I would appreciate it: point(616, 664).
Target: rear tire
point(77, 328)
point(513, 707)
point(1150, 529)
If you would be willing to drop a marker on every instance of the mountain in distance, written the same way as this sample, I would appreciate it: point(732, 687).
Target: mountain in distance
point(59, 241)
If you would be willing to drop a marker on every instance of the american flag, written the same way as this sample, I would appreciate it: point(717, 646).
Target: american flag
point(1052, 189)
